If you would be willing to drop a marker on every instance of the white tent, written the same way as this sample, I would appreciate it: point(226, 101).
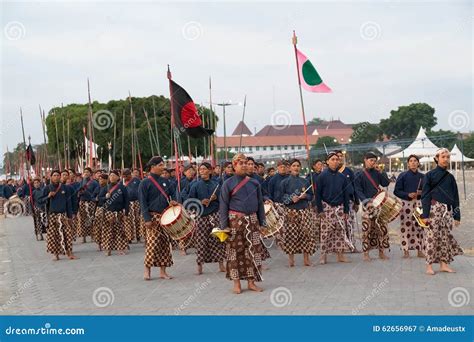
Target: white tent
point(422, 146)
point(456, 155)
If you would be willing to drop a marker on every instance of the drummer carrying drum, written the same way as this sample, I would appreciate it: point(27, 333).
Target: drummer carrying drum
point(155, 194)
point(367, 185)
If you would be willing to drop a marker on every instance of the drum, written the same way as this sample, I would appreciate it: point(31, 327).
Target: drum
point(14, 207)
point(176, 222)
point(389, 207)
point(274, 222)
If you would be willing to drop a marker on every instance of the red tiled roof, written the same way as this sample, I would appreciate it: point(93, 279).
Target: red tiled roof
point(270, 130)
point(242, 129)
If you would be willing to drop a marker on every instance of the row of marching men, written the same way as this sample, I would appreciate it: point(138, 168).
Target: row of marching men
point(238, 208)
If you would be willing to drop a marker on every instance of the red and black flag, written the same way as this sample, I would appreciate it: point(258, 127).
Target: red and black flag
point(30, 155)
point(186, 116)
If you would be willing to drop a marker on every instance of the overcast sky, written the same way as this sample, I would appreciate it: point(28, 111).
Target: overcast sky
point(375, 56)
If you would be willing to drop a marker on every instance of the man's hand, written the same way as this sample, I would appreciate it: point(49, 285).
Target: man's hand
point(426, 221)
point(148, 224)
point(213, 197)
point(346, 216)
point(205, 202)
point(268, 201)
point(173, 203)
point(303, 196)
point(295, 199)
point(355, 207)
point(412, 195)
point(51, 194)
point(457, 223)
point(321, 215)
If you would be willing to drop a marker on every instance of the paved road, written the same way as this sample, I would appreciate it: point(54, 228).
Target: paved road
point(31, 283)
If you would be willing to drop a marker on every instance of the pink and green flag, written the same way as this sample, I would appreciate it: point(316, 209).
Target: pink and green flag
point(310, 79)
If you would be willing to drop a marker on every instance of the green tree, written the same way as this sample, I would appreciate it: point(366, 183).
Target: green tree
point(315, 121)
point(443, 138)
point(405, 122)
point(365, 132)
point(327, 141)
point(110, 114)
point(468, 145)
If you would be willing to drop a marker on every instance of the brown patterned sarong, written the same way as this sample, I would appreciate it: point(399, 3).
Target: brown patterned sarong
point(208, 248)
point(98, 224)
point(113, 233)
point(158, 249)
point(411, 234)
point(374, 231)
point(39, 220)
point(440, 245)
point(85, 218)
point(133, 222)
point(300, 232)
point(333, 230)
point(243, 248)
point(59, 238)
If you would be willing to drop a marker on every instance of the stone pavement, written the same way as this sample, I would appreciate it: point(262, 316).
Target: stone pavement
point(31, 283)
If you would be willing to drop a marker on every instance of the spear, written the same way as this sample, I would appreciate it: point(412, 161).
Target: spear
point(156, 128)
point(132, 130)
point(57, 140)
point(242, 126)
point(64, 138)
point(123, 134)
point(68, 142)
point(115, 136)
point(89, 125)
point(149, 131)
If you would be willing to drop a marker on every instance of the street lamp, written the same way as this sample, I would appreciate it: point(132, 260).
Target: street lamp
point(223, 105)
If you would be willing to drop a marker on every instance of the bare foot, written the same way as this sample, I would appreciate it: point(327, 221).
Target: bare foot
point(367, 257)
point(84, 239)
point(342, 258)
point(420, 254)
point(56, 258)
point(406, 255)
point(307, 263)
point(182, 252)
point(122, 253)
point(147, 274)
point(199, 269)
point(447, 269)
point(165, 276)
point(237, 290)
point(108, 253)
point(383, 256)
point(72, 257)
point(323, 260)
point(221, 267)
point(252, 287)
point(291, 260)
point(429, 270)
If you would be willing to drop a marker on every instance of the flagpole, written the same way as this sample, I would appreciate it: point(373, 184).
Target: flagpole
point(156, 127)
point(213, 126)
point(27, 159)
point(295, 40)
point(242, 126)
point(172, 130)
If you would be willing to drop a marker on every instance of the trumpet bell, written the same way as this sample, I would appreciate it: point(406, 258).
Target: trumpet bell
point(417, 215)
point(222, 235)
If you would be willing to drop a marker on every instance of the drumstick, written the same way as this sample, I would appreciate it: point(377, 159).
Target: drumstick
point(213, 193)
point(309, 187)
